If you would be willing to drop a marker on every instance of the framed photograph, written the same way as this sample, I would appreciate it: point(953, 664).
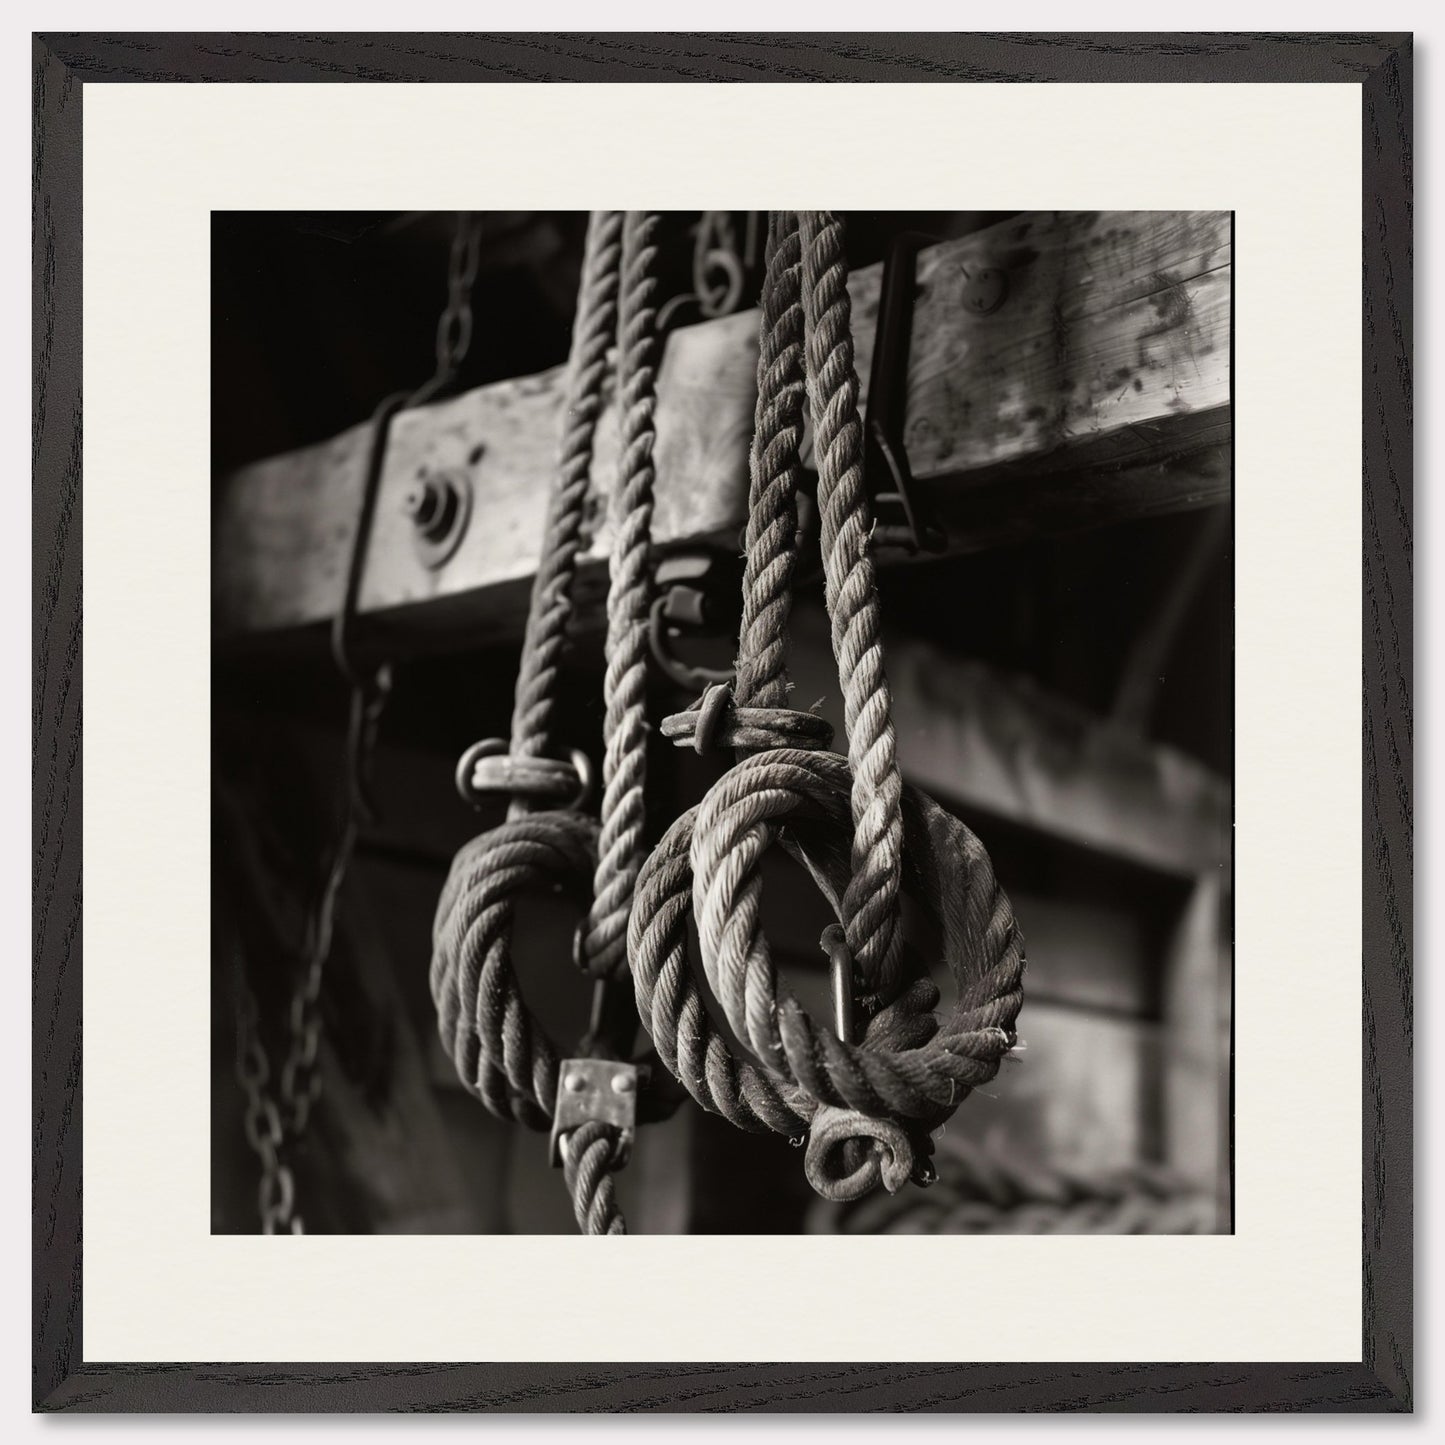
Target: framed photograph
point(866, 751)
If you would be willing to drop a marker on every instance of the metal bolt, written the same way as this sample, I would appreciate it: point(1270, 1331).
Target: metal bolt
point(432, 504)
point(576, 1084)
point(623, 1083)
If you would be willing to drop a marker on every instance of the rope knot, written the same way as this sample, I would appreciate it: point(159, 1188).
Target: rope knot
point(716, 721)
point(849, 1153)
point(488, 770)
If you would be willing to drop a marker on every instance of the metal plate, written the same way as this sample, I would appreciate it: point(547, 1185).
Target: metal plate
point(594, 1090)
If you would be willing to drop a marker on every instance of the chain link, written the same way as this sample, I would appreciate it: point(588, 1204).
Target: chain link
point(454, 326)
point(265, 1133)
point(721, 266)
point(276, 1123)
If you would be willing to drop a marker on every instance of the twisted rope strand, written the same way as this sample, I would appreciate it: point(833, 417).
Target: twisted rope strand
point(772, 529)
point(590, 1153)
point(552, 587)
point(870, 905)
point(910, 1063)
point(912, 1067)
point(501, 1051)
point(621, 848)
point(982, 1190)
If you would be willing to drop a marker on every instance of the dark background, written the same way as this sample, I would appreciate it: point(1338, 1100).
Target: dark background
point(318, 316)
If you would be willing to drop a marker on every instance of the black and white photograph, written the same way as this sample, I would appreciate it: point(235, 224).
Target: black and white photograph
point(866, 752)
point(722, 722)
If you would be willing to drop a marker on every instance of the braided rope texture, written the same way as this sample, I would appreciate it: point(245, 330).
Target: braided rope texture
point(500, 1049)
point(772, 528)
point(502, 1053)
point(982, 1190)
point(910, 1064)
point(870, 904)
point(624, 768)
point(590, 1154)
point(552, 587)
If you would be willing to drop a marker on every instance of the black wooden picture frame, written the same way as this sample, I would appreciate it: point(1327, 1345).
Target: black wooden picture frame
point(1381, 67)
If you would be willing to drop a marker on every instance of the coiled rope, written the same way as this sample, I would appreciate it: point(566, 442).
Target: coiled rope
point(501, 1051)
point(867, 1106)
point(984, 1190)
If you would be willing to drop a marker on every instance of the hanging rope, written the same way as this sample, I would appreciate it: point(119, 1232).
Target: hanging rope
point(501, 1051)
point(985, 1190)
point(867, 1105)
point(624, 693)
point(564, 536)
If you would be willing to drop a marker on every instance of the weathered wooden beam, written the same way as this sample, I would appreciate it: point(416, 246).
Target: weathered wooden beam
point(1197, 1008)
point(978, 738)
point(1099, 390)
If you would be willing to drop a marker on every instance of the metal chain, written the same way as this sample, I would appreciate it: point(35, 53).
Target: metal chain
point(454, 326)
point(721, 265)
point(276, 1123)
point(265, 1133)
point(716, 249)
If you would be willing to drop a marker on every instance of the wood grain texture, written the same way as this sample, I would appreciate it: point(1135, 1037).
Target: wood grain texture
point(1109, 359)
point(722, 1388)
point(920, 57)
point(55, 758)
point(1388, 633)
point(1195, 1058)
point(1381, 1381)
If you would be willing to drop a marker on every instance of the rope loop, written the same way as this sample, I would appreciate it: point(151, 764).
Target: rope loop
point(501, 1051)
point(913, 1064)
point(861, 833)
point(716, 721)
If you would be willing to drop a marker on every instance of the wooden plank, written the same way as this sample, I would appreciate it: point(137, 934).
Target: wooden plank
point(1197, 1007)
point(1109, 359)
point(976, 737)
point(1074, 1092)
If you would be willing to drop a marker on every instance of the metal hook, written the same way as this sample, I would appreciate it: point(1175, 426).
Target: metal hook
point(698, 593)
point(886, 473)
point(371, 484)
point(686, 675)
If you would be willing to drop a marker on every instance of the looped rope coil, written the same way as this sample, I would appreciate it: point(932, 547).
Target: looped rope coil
point(911, 1065)
point(911, 1068)
point(501, 1051)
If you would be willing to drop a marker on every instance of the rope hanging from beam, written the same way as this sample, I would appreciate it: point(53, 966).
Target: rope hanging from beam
point(868, 1105)
point(501, 1051)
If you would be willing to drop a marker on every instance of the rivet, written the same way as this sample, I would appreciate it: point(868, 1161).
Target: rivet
point(576, 1083)
point(623, 1083)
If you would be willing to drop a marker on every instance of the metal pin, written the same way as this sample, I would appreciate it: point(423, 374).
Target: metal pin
point(840, 969)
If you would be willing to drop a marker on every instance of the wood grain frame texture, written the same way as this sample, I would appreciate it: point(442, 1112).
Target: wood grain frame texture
point(1381, 67)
